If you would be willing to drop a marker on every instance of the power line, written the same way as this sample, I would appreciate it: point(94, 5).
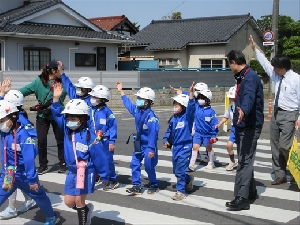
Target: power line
point(166, 16)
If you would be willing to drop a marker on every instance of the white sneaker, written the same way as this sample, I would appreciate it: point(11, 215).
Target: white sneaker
point(28, 204)
point(89, 214)
point(8, 213)
point(178, 196)
point(231, 165)
point(210, 166)
point(192, 167)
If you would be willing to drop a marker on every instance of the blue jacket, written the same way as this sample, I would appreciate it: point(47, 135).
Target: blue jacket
point(250, 99)
point(26, 152)
point(87, 150)
point(206, 121)
point(71, 90)
point(149, 134)
point(181, 125)
point(104, 119)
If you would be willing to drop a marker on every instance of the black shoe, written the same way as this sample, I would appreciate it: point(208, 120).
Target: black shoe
point(239, 203)
point(135, 189)
point(62, 168)
point(98, 179)
point(253, 195)
point(152, 190)
point(232, 202)
point(42, 169)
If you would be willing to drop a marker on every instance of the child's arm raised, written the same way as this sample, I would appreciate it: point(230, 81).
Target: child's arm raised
point(126, 101)
point(56, 108)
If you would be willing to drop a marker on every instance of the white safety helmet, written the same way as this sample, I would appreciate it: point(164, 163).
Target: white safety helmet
point(199, 87)
point(231, 93)
point(182, 99)
point(100, 91)
point(6, 108)
point(146, 93)
point(15, 97)
point(76, 107)
point(207, 94)
point(85, 82)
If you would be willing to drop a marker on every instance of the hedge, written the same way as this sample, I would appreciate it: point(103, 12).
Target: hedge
point(254, 64)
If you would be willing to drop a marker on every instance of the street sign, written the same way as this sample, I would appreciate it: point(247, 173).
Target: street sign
point(268, 36)
point(268, 43)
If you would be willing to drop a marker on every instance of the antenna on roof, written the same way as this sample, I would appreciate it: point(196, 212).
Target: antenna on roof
point(167, 16)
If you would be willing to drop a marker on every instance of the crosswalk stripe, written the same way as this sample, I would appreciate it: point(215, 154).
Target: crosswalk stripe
point(262, 141)
point(219, 159)
point(20, 221)
point(217, 170)
point(257, 211)
point(118, 213)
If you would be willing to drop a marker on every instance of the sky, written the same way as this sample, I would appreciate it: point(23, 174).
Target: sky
point(144, 11)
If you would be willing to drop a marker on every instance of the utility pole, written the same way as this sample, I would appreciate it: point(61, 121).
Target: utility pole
point(275, 16)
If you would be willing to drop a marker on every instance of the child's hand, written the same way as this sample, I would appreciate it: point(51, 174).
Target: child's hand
point(119, 86)
point(57, 91)
point(192, 87)
point(111, 147)
point(217, 126)
point(5, 86)
point(166, 145)
point(177, 90)
point(150, 155)
point(34, 187)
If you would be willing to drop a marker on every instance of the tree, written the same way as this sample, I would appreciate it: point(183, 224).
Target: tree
point(136, 25)
point(176, 16)
point(288, 34)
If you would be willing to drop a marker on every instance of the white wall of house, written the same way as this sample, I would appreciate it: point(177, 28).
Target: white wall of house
point(57, 16)
point(139, 53)
point(60, 50)
point(198, 52)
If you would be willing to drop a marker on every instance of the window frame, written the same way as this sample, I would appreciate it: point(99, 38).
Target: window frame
point(39, 49)
point(85, 59)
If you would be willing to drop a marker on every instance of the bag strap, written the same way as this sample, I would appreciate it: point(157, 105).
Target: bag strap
point(74, 148)
point(15, 150)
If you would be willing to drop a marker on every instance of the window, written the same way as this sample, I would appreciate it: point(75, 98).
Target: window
point(211, 63)
point(101, 58)
point(168, 62)
point(85, 59)
point(36, 58)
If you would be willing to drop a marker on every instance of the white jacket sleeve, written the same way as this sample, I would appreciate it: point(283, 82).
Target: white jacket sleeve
point(264, 62)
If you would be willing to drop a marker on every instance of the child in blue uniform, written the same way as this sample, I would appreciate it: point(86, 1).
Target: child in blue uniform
point(17, 98)
point(103, 120)
point(229, 115)
point(79, 90)
point(179, 132)
point(81, 148)
point(205, 127)
point(147, 127)
point(18, 154)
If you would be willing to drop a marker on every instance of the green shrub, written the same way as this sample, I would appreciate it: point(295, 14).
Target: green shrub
point(254, 64)
point(296, 65)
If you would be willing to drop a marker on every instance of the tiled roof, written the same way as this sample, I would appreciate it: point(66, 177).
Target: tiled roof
point(66, 31)
point(35, 6)
point(176, 34)
point(109, 22)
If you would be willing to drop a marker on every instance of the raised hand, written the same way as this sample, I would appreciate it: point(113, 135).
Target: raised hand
point(5, 86)
point(120, 87)
point(177, 90)
point(252, 42)
point(57, 91)
point(192, 90)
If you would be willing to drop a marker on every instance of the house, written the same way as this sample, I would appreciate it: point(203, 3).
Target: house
point(119, 24)
point(34, 32)
point(194, 43)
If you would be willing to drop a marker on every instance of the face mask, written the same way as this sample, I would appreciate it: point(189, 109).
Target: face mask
point(79, 92)
point(4, 128)
point(201, 102)
point(140, 102)
point(73, 125)
point(94, 102)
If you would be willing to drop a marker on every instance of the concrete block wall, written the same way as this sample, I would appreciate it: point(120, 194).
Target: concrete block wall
point(163, 97)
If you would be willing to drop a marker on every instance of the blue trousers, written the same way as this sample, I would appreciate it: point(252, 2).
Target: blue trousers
point(180, 159)
point(112, 176)
point(136, 163)
point(21, 182)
